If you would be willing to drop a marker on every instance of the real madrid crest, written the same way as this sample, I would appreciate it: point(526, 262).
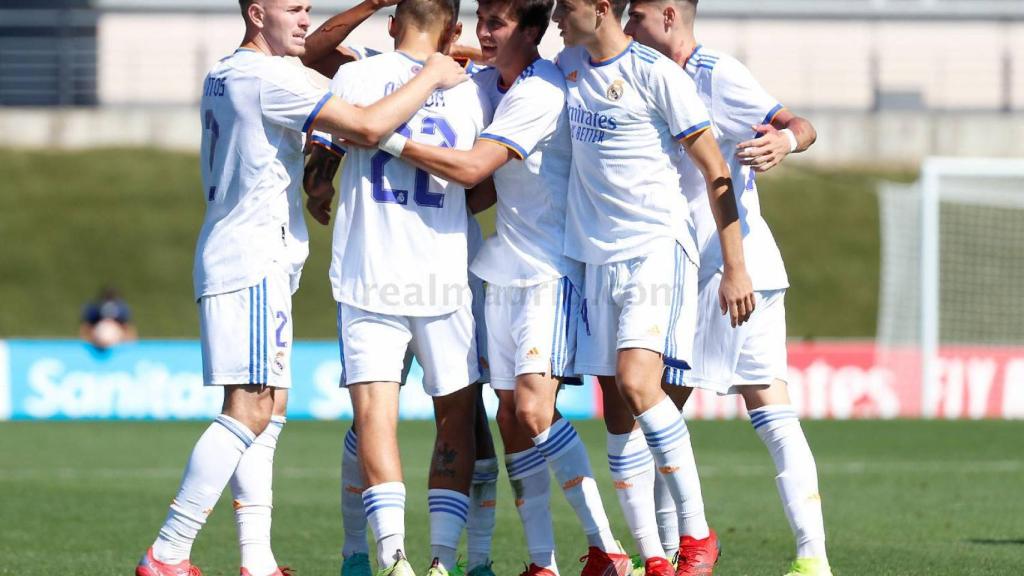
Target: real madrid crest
point(278, 366)
point(616, 90)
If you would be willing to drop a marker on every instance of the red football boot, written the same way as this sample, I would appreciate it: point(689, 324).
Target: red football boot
point(601, 563)
point(658, 567)
point(534, 570)
point(698, 557)
point(150, 566)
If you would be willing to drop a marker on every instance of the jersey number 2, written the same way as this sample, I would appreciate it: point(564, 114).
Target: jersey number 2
point(431, 126)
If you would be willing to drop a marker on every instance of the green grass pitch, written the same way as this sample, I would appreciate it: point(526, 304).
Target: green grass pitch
point(929, 498)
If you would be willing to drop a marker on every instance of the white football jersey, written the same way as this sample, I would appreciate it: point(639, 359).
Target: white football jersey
point(736, 102)
point(400, 236)
point(530, 120)
point(626, 117)
point(255, 111)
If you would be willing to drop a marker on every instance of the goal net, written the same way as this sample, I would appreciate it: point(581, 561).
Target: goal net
point(952, 263)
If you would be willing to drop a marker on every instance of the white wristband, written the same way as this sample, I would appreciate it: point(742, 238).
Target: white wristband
point(393, 144)
point(793, 144)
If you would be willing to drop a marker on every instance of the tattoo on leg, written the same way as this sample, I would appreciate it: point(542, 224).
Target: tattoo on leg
point(443, 463)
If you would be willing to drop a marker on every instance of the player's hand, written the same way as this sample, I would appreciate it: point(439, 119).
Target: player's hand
point(466, 52)
point(445, 71)
point(320, 208)
point(764, 152)
point(320, 191)
point(736, 295)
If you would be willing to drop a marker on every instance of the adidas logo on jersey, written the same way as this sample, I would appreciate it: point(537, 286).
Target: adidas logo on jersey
point(571, 76)
point(533, 354)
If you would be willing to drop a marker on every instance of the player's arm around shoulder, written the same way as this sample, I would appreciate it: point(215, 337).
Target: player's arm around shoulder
point(367, 126)
point(467, 168)
point(324, 52)
point(777, 131)
point(786, 134)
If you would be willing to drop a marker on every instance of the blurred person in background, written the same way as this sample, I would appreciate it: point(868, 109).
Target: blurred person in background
point(107, 320)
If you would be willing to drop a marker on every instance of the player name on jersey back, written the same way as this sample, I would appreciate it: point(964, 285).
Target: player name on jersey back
point(400, 236)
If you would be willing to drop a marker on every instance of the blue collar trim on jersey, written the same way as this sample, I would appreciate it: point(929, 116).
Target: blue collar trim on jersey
point(420, 62)
point(691, 56)
point(525, 73)
point(613, 58)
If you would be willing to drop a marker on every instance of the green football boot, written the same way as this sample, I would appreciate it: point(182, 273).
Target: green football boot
point(357, 564)
point(809, 567)
point(401, 567)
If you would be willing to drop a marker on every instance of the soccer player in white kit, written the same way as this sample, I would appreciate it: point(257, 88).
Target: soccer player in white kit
point(533, 290)
point(325, 52)
point(629, 109)
point(399, 276)
point(755, 133)
point(256, 107)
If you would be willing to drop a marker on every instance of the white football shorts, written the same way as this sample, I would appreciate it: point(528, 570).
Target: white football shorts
point(725, 358)
point(246, 335)
point(645, 302)
point(532, 330)
point(374, 345)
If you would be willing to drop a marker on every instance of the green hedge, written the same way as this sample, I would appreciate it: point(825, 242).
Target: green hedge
point(71, 222)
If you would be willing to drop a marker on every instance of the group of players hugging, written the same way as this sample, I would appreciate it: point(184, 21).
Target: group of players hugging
point(629, 246)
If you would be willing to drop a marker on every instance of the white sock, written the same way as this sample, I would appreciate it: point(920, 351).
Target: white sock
point(448, 512)
point(531, 487)
point(213, 461)
point(797, 480)
point(385, 513)
point(632, 468)
point(665, 511)
point(252, 488)
point(669, 440)
point(567, 455)
point(481, 521)
point(353, 514)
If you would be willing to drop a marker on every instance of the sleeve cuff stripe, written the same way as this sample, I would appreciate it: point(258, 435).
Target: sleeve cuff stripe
point(773, 113)
point(519, 150)
point(692, 130)
point(316, 112)
point(327, 144)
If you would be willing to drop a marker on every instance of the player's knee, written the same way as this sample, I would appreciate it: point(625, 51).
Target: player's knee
point(633, 390)
point(507, 416)
point(529, 415)
point(256, 418)
point(250, 406)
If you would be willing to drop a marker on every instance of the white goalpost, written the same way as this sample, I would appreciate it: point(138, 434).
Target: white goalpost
point(952, 262)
